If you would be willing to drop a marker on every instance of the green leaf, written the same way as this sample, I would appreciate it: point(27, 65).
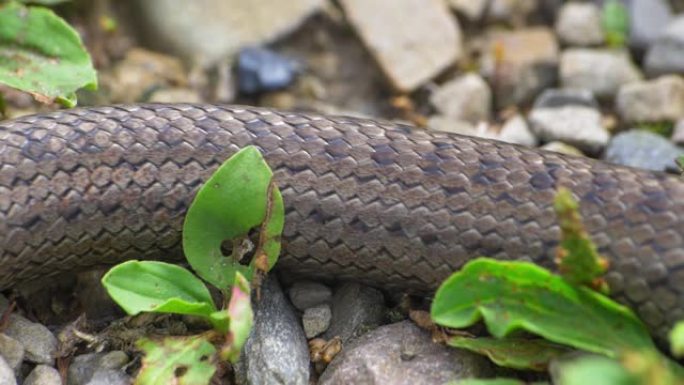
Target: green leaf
point(597, 370)
point(233, 201)
point(680, 163)
point(677, 339)
point(615, 22)
point(578, 261)
point(41, 54)
point(241, 319)
point(512, 296)
point(517, 353)
point(177, 360)
point(139, 286)
point(44, 2)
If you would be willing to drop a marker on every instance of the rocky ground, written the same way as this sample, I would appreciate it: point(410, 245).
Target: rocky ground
point(531, 72)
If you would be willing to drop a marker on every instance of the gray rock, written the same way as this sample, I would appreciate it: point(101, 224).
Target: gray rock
point(658, 100)
point(473, 10)
point(560, 97)
point(643, 149)
point(647, 21)
point(260, 70)
point(43, 375)
point(529, 64)
point(575, 125)
point(12, 351)
point(514, 12)
point(276, 351)
point(562, 148)
point(580, 24)
point(412, 40)
point(356, 309)
point(601, 71)
point(306, 294)
point(454, 126)
point(516, 130)
point(40, 345)
point(6, 374)
point(84, 367)
point(210, 30)
point(467, 97)
point(400, 354)
point(678, 133)
point(316, 320)
point(109, 377)
point(666, 54)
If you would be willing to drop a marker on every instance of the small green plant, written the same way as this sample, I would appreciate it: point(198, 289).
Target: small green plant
point(239, 197)
point(663, 128)
point(563, 313)
point(41, 54)
point(615, 22)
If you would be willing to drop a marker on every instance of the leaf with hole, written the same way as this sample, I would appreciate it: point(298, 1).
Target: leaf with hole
point(230, 204)
point(42, 55)
point(177, 360)
point(517, 353)
point(150, 286)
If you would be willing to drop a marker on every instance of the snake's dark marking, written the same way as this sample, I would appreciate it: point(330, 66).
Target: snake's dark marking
point(373, 201)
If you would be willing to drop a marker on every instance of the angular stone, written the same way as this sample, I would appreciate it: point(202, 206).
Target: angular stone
point(454, 126)
point(643, 149)
point(85, 367)
point(210, 30)
point(306, 294)
point(580, 24)
point(467, 97)
point(316, 320)
point(412, 40)
point(560, 97)
point(40, 345)
point(657, 100)
point(356, 309)
point(666, 54)
point(401, 354)
point(575, 125)
point(601, 71)
point(516, 130)
point(12, 351)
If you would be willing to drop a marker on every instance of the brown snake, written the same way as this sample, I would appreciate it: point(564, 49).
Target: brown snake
point(373, 201)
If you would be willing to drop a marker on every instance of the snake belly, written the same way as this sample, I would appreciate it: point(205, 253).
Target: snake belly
point(383, 203)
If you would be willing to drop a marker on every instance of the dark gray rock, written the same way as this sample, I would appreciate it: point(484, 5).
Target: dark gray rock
point(12, 351)
point(559, 97)
point(110, 377)
point(40, 345)
point(306, 294)
point(643, 149)
point(6, 374)
point(316, 320)
point(84, 367)
point(43, 375)
point(260, 70)
point(276, 351)
point(356, 309)
point(400, 354)
point(666, 54)
point(647, 21)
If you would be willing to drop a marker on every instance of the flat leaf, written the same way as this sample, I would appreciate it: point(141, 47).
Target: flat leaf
point(41, 54)
point(241, 319)
point(615, 22)
point(512, 296)
point(151, 286)
point(578, 261)
point(233, 201)
point(517, 353)
point(594, 370)
point(677, 339)
point(177, 360)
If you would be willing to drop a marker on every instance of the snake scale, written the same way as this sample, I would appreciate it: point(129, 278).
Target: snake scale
point(366, 200)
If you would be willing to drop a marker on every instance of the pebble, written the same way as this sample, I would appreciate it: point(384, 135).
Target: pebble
point(579, 24)
point(454, 126)
point(412, 40)
point(176, 95)
point(40, 345)
point(559, 97)
point(261, 70)
point(12, 351)
point(472, 10)
point(6, 374)
point(276, 351)
point(43, 375)
point(207, 31)
point(520, 64)
point(666, 54)
point(316, 320)
point(647, 22)
point(399, 354)
point(678, 133)
point(466, 97)
point(516, 130)
point(601, 71)
point(306, 294)
point(643, 149)
point(356, 309)
point(575, 125)
point(515, 12)
point(110, 377)
point(562, 148)
point(85, 367)
point(657, 100)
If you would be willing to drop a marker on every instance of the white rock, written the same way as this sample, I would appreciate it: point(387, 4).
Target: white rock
point(43, 375)
point(471, 9)
point(678, 134)
point(412, 40)
point(657, 100)
point(6, 374)
point(601, 71)
point(467, 97)
point(580, 24)
point(575, 125)
point(516, 130)
point(454, 126)
point(562, 148)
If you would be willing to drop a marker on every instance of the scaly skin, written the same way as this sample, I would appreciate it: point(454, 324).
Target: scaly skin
point(387, 204)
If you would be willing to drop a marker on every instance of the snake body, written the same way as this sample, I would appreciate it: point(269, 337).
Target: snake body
point(366, 200)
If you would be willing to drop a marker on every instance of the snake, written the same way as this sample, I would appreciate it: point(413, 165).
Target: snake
point(373, 201)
